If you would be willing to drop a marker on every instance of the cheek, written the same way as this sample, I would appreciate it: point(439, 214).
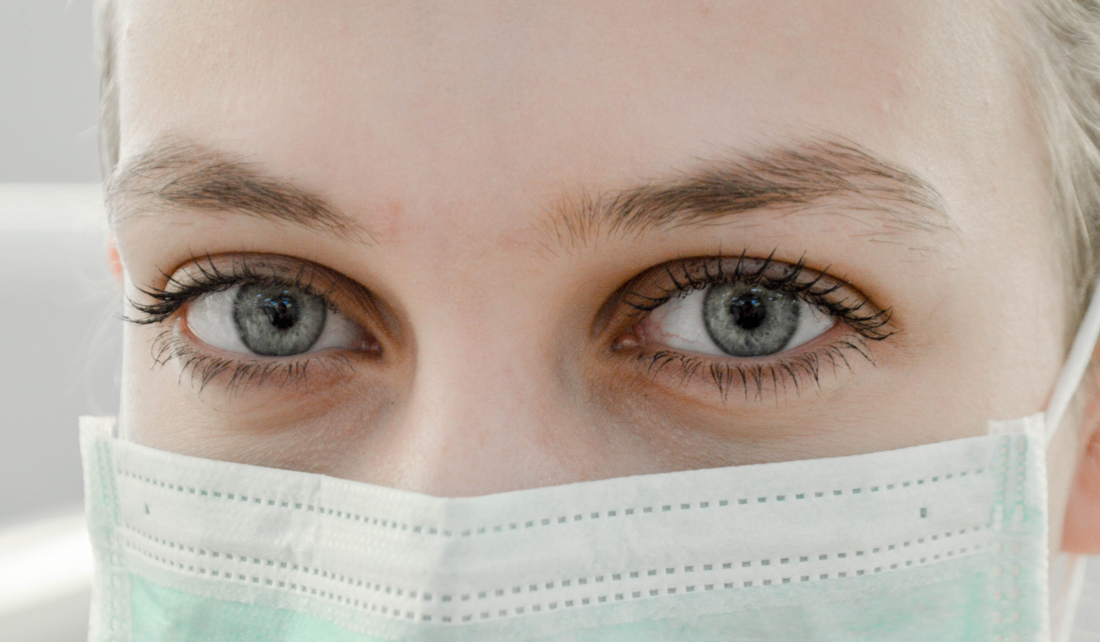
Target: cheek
point(315, 429)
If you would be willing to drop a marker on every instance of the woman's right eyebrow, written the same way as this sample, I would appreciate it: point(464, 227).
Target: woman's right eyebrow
point(175, 173)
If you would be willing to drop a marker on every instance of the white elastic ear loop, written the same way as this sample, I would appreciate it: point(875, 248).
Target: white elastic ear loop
point(1070, 580)
point(1076, 363)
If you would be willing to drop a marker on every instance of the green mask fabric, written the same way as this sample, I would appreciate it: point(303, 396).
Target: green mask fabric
point(939, 542)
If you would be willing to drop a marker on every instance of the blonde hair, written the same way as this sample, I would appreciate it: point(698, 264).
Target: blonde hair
point(1062, 38)
point(105, 41)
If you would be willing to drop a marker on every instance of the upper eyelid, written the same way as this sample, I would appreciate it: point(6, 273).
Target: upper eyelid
point(343, 294)
point(819, 288)
point(202, 276)
point(700, 272)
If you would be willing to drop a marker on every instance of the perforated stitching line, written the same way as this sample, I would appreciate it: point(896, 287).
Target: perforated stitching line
point(295, 587)
point(544, 521)
point(420, 594)
point(482, 615)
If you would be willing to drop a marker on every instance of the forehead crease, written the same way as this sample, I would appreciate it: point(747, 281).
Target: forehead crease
point(807, 175)
point(175, 173)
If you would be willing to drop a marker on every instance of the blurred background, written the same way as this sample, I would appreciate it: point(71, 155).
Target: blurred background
point(60, 334)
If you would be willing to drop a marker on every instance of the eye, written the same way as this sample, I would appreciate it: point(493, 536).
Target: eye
point(739, 321)
point(736, 319)
point(269, 320)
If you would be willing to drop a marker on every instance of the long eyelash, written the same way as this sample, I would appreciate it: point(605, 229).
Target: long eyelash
point(758, 379)
point(210, 279)
point(202, 368)
point(689, 275)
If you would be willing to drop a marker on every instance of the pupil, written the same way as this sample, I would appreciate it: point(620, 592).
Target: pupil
point(275, 321)
point(282, 312)
point(748, 312)
point(745, 320)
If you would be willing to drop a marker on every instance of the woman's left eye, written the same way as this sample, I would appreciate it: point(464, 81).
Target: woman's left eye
point(737, 319)
point(269, 320)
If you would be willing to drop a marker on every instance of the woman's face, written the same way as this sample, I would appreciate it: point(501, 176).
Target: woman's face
point(470, 248)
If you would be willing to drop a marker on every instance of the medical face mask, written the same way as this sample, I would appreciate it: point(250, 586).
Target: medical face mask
point(940, 542)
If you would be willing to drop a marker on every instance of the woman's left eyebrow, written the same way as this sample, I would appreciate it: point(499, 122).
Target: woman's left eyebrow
point(177, 173)
point(808, 175)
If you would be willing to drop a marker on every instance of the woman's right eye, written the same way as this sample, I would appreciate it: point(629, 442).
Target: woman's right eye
point(269, 320)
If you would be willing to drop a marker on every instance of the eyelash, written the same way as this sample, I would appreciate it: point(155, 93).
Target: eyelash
point(683, 276)
point(817, 289)
point(205, 367)
point(209, 279)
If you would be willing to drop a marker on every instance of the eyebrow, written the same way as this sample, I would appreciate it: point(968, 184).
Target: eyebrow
point(177, 173)
point(826, 174)
point(805, 175)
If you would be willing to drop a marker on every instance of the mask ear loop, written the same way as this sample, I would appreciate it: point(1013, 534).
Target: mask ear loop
point(1076, 363)
point(1068, 592)
point(1068, 595)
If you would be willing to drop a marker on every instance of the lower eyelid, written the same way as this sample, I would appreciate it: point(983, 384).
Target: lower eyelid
point(204, 369)
point(756, 378)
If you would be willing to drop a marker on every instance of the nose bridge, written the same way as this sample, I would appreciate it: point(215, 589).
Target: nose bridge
point(484, 399)
point(481, 379)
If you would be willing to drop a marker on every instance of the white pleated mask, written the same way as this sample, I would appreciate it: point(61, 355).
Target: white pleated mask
point(940, 542)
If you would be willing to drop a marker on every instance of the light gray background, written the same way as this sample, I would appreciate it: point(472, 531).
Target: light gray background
point(48, 92)
point(52, 285)
point(59, 343)
point(59, 360)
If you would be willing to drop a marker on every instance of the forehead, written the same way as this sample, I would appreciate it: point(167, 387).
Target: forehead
point(444, 106)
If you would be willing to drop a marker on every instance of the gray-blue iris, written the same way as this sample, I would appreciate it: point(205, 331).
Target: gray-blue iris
point(276, 321)
point(749, 321)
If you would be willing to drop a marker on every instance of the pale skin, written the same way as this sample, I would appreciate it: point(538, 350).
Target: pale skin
point(494, 351)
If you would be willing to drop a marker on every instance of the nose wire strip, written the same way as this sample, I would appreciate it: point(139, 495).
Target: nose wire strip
point(1076, 363)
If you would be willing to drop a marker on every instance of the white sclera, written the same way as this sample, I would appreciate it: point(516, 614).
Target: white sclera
point(679, 324)
point(210, 318)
